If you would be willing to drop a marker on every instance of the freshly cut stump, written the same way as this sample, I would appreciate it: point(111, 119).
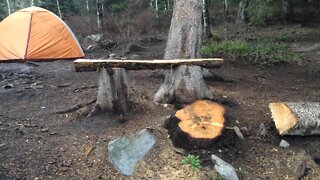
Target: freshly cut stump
point(197, 125)
point(296, 118)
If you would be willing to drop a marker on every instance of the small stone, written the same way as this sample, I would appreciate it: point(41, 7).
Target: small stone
point(53, 133)
point(23, 129)
point(284, 144)
point(8, 86)
point(5, 177)
point(112, 55)
point(225, 170)
point(44, 129)
point(262, 130)
point(2, 145)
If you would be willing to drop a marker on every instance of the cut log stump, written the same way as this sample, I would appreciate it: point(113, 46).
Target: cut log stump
point(197, 125)
point(296, 118)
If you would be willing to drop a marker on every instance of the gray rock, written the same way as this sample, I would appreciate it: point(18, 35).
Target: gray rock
point(225, 170)
point(23, 129)
point(125, 152)
point(284, 144)
point(112, 55)
point(262, 130)
point(95, 37)
point(5, 177)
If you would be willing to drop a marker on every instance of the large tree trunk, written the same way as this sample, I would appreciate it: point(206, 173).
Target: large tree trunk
point(287, 10)
point(185, 83)
point(112, 92)
point(241, 16)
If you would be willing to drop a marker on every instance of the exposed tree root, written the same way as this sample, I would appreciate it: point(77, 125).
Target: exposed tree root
point(75, 107)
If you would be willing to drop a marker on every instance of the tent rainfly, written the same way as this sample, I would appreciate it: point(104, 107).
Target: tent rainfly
point(36, 34)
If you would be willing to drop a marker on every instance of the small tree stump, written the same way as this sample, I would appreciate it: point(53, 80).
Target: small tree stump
point(197, 125)
point(296, 118)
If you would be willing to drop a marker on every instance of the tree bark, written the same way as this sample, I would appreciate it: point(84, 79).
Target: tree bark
point(241, 16)
point(206, 19)
point(100, 15)
point(296, 118)
point(287, 10)
point(184, 83)
point(225, 5)
point(112, 93)
point(93, 64)
point(87, 5)
point(9, 9)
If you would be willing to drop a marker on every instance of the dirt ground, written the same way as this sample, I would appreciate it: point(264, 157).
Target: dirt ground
point(51, 143)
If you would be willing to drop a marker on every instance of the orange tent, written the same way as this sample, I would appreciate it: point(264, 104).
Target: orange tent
point(36, 34)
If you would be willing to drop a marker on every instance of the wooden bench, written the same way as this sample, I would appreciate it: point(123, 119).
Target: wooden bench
point(93, 64)
point(113, 81)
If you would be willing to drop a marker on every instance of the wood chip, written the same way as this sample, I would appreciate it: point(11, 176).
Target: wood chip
point(2, 145)
point(88, 150)
point(238, 132)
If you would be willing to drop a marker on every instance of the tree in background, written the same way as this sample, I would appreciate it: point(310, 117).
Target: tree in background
point(206, 19)
point(287, 10)
point(242, 15)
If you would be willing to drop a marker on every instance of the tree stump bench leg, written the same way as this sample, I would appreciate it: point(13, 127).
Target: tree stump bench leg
point(112, 92)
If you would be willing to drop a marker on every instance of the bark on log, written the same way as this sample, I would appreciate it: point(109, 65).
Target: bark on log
point(92, 65)
point(197, 125)
point(294, 118)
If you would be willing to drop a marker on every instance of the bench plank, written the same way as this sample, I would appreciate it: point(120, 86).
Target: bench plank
point(93, 64)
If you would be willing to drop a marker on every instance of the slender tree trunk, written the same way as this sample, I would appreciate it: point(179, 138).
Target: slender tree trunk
point(100, 14)
point(9, 9)
point(59, 9)
point(87, 5)
point(32, 4)
point(287, 10)
point(242, 17)
point(206, 19)
point(185, 83)
point(157, 8)
point(226, 11)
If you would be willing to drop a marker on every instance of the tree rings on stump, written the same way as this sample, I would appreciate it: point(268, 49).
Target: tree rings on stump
point(197, 125)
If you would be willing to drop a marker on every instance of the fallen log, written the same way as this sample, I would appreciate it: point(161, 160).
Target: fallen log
point(296, 118)
point(93, 64)
point(197, 125)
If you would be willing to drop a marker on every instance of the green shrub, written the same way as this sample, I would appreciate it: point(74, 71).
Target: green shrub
point(262, 52)
point(193, 161)
point(259, 11)
point(234, 48)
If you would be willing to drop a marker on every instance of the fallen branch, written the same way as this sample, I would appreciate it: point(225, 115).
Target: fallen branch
point(75, 107)
point(312, 48)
